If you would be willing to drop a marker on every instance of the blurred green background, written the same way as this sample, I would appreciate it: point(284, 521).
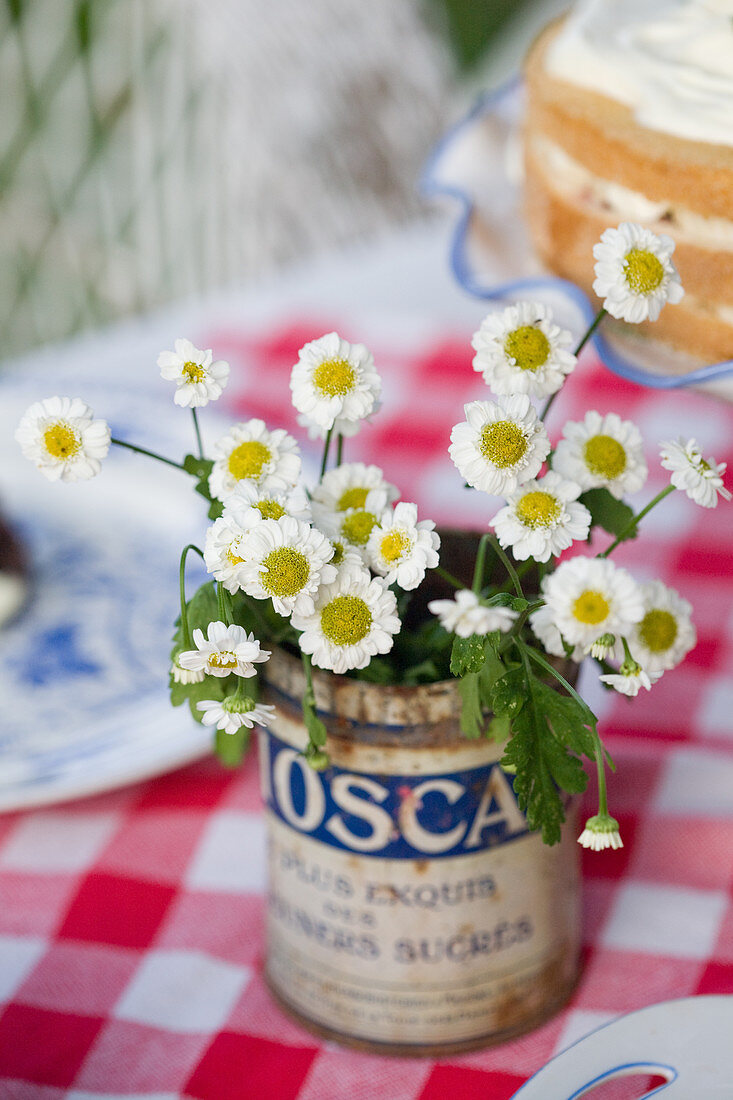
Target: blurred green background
point(157, 149)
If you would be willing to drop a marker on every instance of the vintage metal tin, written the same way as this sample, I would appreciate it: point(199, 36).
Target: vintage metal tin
point(410, 910)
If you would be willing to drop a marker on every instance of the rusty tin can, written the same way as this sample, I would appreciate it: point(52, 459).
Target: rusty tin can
point(410, 910)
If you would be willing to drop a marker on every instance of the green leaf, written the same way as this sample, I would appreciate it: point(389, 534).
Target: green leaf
point(316, 730)
point(200, 468)
point(231, 747)
point(467, 655)
point(612, 515)
point(542, 730)
point(472, 717)
point(508, 693)
point(499, 728)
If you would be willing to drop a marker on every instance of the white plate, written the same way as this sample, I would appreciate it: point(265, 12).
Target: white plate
point(477, 166)
point(84, 667)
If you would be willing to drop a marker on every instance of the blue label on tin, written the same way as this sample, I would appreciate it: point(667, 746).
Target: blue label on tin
point(391, 816)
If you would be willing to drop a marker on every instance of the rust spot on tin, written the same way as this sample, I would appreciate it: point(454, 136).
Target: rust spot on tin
point(422, 866)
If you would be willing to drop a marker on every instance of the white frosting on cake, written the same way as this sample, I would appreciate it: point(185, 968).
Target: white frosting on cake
point(670, 61)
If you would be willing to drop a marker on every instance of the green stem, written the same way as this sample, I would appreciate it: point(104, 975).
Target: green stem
point(187, 643)
point(633, 523)
point(602, 794)
point(509, 568)
point(449, 577)
point(326, 448)
point(339, 449)
point(583, 341)
point(144, 451)
point(223, 604)
point(198, 432)
point(478, 570)
point(540, 660)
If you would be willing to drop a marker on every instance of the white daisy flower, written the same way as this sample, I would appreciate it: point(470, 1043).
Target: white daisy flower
point(355, 617)
point(268, 459)
point(230, 713)
point(465, 615)
point(248, 504)
point(701, 478)
point(602, 452)
point(402, 547)
point(334, 380)
point(198, 379)
point(601, 832)
point(352, 485)
point(634, 273)
point(592, 596)
point(224, 650)
point(545, 630)
point(542, 518)
point(62, 439)
point(186, 675)
point(500, 445)
point(223, 552)
point(630, 679)
point(286, 561)
point(521, 350)
point(665, 635)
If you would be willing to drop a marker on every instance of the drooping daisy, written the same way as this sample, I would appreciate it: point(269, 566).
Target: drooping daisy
point(602, 452)
point(701, 478)
point(225, 650)
point(401, 547)
point(592, 596)
point(354, 618)
point(230, 713)
point(352, 485)
point(634, 273)
point(521, 350)
point(334, 380)
point(500, 445)
point(247, 504)
point(465, 615)
point(267, 459)
point(665, 634)
point(601, 831)
point(62, 439)
point(223, 552)
point(286, 561)
point(542, 518)
point(545, 630)
point(185, 675)
point(630, 679)
point(198, 379)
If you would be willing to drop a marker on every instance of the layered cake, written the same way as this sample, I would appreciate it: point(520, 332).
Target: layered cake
point(630, 118)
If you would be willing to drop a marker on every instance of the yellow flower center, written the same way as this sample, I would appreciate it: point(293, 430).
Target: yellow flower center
point(352, 498)
point(604, 456)
point(346, 620)
point(643, 271)
point(658, 630)
point(334, 377)
point(192, 372)
point(61, 440)
point(270, 509)
point(591, 607)
point(338, 553)
point(503, 443)
point(357, 527)
point(394, 544)
point(231, 557)
point(248, 459)
point(285, 572)
point(538, 509)
point(223, 659)
point(528, 347)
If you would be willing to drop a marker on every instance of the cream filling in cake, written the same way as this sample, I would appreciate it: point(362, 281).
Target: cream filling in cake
point(669, 61)
point(572, 180)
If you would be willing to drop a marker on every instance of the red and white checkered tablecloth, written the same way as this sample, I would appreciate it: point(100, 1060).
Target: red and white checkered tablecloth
point(131, 923)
